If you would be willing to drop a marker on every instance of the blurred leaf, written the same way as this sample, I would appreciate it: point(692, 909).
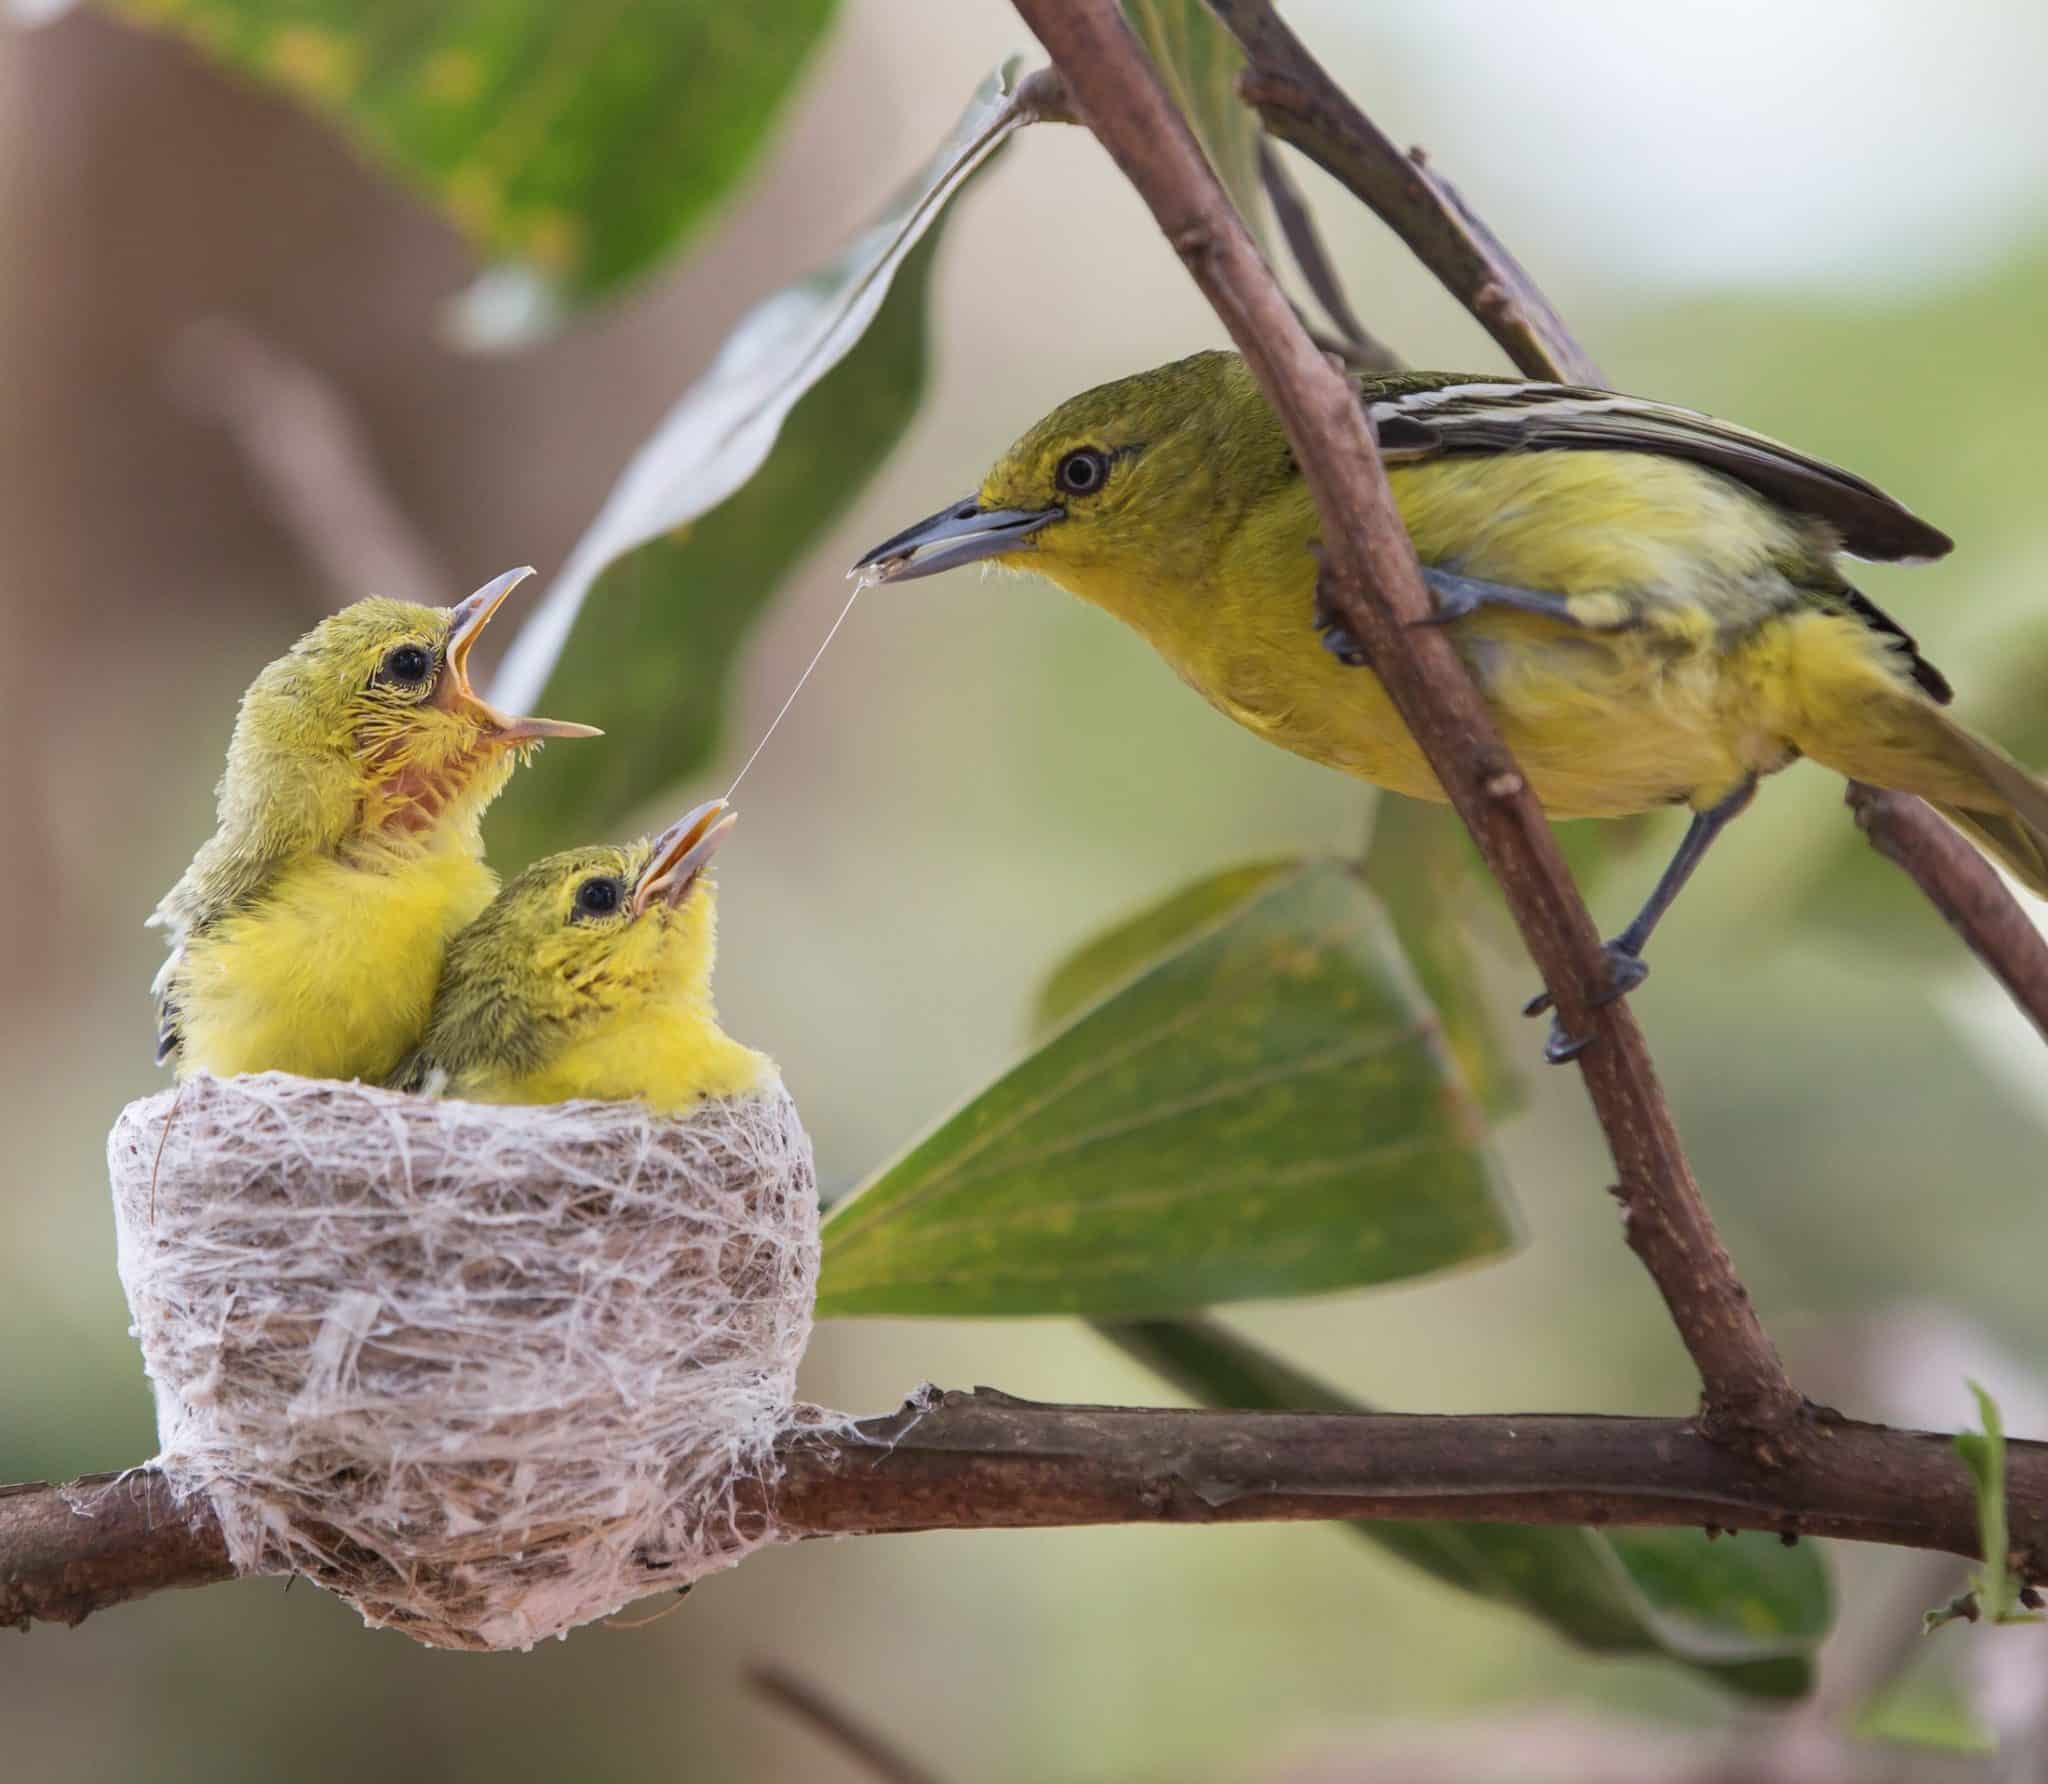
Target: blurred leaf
point(1924, 1710)
point(742, 476)
point(1749, 1614)
point(1266, 1110)
point(1995, 1588)
point(1201, 62)
point(578, 141)
point(1119, 952)
point(1421, 863)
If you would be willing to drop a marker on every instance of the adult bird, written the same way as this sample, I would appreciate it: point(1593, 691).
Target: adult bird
point(589, 975)
point(1650, 599)
point(308, 932)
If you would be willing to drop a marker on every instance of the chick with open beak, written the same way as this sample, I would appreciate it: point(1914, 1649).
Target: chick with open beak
point(308, 933)
point(590, 976)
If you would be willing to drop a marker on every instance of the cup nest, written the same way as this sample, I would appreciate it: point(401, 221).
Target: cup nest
point(487, 1373)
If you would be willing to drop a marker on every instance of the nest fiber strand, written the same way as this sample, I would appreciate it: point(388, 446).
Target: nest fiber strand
point(488, 1373)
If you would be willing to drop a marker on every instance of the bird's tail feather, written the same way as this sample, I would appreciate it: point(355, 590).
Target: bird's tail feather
point(1896, 738)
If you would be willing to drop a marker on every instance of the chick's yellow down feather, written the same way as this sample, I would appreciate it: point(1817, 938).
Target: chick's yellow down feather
point(590, 976)
point(307, 935)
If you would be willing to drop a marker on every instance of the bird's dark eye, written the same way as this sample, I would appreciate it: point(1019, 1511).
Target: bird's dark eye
point(408, 665)
point(1083, 472)
point(599, 897)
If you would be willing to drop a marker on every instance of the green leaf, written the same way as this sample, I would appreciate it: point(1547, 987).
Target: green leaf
point(1747, 1612)
point(1201, 62)
point(1121, 950)
point(1995, 1587)
point(761, 455)
point(1266, 1110)
point(1422, 863)
point(578, 141)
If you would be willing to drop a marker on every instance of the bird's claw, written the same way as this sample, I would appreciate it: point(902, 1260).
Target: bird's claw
point(1339, 640)
point(1625, 971)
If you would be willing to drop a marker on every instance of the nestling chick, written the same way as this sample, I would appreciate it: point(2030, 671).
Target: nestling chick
point(590, 976)
point(307, 934)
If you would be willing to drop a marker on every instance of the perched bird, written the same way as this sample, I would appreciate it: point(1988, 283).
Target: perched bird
point(590, 976)
point(307, 934)
point(1650, 599)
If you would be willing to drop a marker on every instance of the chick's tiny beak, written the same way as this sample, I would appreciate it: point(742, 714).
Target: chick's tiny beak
point(466, 625)
point(681, 853)
point(957, 534)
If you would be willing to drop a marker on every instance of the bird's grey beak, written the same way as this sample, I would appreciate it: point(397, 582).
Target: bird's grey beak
point(957, 534)
point(681, 853)
point(467, 619)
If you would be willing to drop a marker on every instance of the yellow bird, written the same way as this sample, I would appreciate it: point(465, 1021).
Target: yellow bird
point(307, 934)
point(1650, 599)
point(590, 976)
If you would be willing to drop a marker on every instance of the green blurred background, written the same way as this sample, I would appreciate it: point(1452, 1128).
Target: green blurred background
point(1829, 221)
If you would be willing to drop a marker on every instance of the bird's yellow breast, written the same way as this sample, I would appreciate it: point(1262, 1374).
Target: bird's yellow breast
point(1675, 704)
point(667, 1057)
point(333, 974)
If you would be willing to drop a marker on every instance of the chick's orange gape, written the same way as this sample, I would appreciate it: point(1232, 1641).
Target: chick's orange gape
point(308, 932)
point(1649, 599)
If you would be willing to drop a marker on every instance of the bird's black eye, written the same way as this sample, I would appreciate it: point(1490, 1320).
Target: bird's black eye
point(1083, 472)
point(408, 665)
point(599, 897)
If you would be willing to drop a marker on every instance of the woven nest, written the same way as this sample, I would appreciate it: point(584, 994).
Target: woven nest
point(487, 1373)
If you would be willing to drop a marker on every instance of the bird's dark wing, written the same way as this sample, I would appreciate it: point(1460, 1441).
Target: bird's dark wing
point(1422, 415)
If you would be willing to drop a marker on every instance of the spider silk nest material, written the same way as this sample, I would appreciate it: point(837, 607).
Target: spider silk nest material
point(488, 1373)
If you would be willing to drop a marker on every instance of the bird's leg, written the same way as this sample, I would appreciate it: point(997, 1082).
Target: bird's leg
point(1457, 596)
point(1338, 638)
point(1625, 968)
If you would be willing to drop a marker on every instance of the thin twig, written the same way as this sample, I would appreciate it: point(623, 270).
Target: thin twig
point(1302, 105)
point(1372, 582)
point(1305, 242)
point(837, 1725)
point(987, 1461)
point(311, 455)
point(1964, 888)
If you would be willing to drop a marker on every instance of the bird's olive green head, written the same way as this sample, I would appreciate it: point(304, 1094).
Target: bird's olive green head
point(582, 935)
point(1135, 480)
point(368, 728)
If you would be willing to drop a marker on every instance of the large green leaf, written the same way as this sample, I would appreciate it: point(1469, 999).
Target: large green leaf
point(579, 141)
point(1422, 863)
point(1268, 1109)
point(1747, 1611)
point(759, 457)
point(1201, 62)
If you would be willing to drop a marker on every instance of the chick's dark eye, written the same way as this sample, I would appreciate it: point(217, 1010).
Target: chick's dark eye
point(599, 897)
point(408, 664)
point(1083, 472)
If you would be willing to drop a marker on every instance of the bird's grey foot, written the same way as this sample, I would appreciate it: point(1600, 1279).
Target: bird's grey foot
point(1338, 638)
point(1625, 971)
point(1457, 596)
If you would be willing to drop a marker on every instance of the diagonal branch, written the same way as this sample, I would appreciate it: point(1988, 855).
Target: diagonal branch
point(1373, 583)
point(1962, 886)
point(1302, 105)
point(987, 1461)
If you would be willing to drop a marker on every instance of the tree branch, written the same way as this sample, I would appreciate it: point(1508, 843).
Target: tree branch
point(1964, 888)
point(1302, 105)
point(1373, 583)
point(986, 1461)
